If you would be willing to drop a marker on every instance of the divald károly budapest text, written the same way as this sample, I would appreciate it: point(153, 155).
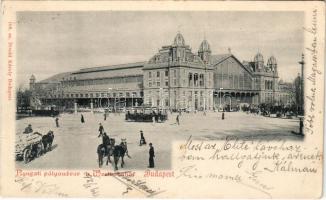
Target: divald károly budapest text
point(278, 155)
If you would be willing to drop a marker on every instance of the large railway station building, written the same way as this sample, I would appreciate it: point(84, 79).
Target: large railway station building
point(174, 78)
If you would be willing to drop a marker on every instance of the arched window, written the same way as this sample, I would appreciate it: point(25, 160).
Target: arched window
point(196, 79)
point(190, 79)
point(201, 80)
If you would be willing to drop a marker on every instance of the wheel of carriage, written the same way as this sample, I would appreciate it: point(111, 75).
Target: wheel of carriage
point(27, 155)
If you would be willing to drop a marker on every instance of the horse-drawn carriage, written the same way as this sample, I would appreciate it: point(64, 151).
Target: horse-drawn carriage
point(33, 145)
point(146, 114)
point(111, 149)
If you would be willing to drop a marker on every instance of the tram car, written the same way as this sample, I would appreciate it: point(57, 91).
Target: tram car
point(146, 114)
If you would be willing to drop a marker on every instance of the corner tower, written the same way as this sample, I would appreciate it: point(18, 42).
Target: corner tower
point(204, 51)
point(32, 82)
point(272, 64)
point(179, 48)
point(259, 62)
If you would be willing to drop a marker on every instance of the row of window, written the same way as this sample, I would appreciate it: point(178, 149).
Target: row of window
point(158, 84)
point(69, 78)
point(269, 85)
point(166, 94)
point(184, 100)
point(194, 79)
point(102, 95)
point(114, 80)
point(158, 73)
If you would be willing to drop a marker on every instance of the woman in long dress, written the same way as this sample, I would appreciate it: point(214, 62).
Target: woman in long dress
point(82, 119)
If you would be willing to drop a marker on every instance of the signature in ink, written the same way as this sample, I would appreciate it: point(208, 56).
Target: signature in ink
point(91, 185)
point(138, 185)
point(37, 186)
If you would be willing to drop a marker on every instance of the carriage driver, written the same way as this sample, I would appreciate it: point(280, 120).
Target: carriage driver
point(28, 129)
point(101, 130)
point(105, 142)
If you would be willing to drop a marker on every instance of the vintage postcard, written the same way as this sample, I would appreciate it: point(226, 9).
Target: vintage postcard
point(162, 99)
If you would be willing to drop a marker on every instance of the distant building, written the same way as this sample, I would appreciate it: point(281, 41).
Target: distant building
point(174, 77)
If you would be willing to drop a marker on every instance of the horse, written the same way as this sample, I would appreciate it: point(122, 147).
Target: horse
point(47, 141)
point(117, 151)
point(101, 154)
point(120, 151)
point(104, 150)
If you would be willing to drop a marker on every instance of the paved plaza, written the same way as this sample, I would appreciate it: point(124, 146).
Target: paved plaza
point(75, 144)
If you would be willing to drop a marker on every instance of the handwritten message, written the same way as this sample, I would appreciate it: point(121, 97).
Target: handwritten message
point(34, 187)
point(91, 184)
point(313, 74)
point(248, 157)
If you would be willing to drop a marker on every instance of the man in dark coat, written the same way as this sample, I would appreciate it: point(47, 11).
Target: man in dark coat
point(104, 116)
point(223, 115)
point(105, 139)
point(178, 122)
point(57, 122)
point(142, 139)
point(105, 142)
point(151, 156)
point(82, 118)
point(101, 130)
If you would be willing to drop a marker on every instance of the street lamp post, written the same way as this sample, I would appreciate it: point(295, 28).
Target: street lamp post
point(108, 105)
point(230, 102)
point(125, 101)
point(204, 103)
point(161, 99)
point(302, 63)
point(132, 99)
point(114, 106)
point(220, 94)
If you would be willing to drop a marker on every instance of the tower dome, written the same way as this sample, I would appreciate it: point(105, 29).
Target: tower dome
point(32, 77)
point(272, 61)
point(272, 64)
point(259, 58)
point(32, 82)
point(204, 46)
point(179, 40)
point(204, 51)
point(259, 62)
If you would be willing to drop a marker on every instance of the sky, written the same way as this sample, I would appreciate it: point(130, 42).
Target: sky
point(53, 42)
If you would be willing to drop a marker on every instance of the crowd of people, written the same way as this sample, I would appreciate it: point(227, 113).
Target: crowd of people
point(267, 110)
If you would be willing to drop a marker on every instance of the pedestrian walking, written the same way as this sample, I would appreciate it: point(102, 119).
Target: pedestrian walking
point(82, 118)
point(142, 138)
point(223, 115)
point(151, 156)
point(57, 122)
point(104, 116)
point(101, 130)
point(177, 119)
